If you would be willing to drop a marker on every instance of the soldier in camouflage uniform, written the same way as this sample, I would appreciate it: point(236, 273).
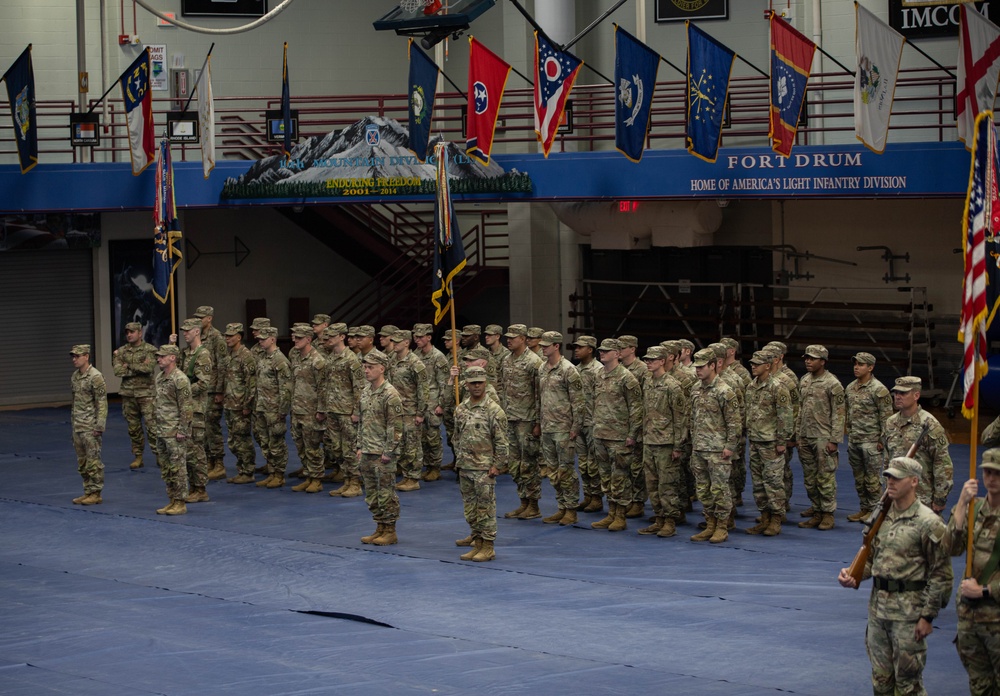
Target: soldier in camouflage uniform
point(174, 413)
point(519, 400)
point(590, 477)
point(493, 334)
point(869, 406)
point(740, 378)
point(437, 385)
point(352, 339)
point(380, 436)
point(319, 324)
point(979, 595)
point(737, 468)
point(903, 428)
point(474, 358)
point(686, 356)
point(664, 432)
point(629, 360)
point(480, 448)
point(135, 362)
point(345, 380)
point(911, 581)
point(271, 407)
point(684, 375)
point(215, 344)
point(768, 426)
point(617, 426)
point(308, 417)
point(822, 413)
point(366, 340)
point(448, 399)
point(412, 381)
point(197, 365)
point(240, 389)
point(257, 351)
point(533, 337)
point(560, 410)
point(89, 416)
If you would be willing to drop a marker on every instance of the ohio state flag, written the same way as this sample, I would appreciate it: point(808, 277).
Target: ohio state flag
point(487, 79)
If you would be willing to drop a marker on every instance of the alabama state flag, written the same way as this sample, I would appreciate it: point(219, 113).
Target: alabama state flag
point(487, 79)
point(139, 112)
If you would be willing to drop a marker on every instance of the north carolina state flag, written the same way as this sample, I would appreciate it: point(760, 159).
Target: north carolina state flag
point(139, 112)
point(487, 79)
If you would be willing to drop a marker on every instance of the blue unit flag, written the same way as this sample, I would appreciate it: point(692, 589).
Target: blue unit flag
point(709, 67)
point(422, 89)
point(20, 80)
point(636, 65)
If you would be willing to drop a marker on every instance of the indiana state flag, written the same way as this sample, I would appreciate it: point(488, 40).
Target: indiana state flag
point(20, 80)
point(709, 66)
point(166, 229)
point(555, 72)
point(636, 65)
point(791, 61)
point(139, 112)
point(449, 253)
point(487, 79)
point(422, 89)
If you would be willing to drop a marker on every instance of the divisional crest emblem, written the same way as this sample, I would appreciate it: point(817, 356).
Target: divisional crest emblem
point(631, 99)
point(372, 135)
point(418, 104)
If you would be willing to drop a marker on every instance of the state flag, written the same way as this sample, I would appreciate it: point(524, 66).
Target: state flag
point(555, 73)
point(879, 50)
point(978, 69)
point(206, 118)
point(710, 65)
point(636, 65)
point(422, 89)
point(488, 75)
point(138, 100)
point(20, 81)
point(791, 61)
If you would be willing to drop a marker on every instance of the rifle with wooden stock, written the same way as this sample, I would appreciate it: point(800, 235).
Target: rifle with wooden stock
point(857, 568)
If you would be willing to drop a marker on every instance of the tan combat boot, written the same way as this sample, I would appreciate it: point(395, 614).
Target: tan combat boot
point(217, 471)
point(91, 499)
point(241, 479)
point(635, 509)
point(433, 473)
point(719, 535)
point(765, 520)
point(859, 516)
point(518, 511)
point(388, 535)
point(774, 528)
point(176, 508)
point(555, 517)
point(197, 495)
point(653, 528)
point(486, 552)
point(136, 463)
point(264, 481)
point(78, 500)
point(277, 481)
point(465, 541)
point(808, 512)
point(355, 489)
point(668, 529)
point(606, 522)
point(315, 486)
point(304, 484)
point(369, 538)
point(596, 504)
point(812, 521)
point(584, 503)
point(568, 518)
point(163, 510)
point(531, 512)
point(408, 484)
point(619, 524)
point(825, 522)
point(710, 524)
point(476, 544)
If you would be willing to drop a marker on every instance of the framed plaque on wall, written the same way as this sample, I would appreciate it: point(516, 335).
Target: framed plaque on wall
point(679, 10)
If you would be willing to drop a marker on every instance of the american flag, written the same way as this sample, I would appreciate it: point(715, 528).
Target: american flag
point(555, 72)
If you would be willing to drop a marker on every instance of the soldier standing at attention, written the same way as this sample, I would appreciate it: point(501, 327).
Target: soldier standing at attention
point(869, 406)
point(215, 344)
point(664, 431)
point(366, 340)
point(345, 380)
point(436, 365)
point(271, 407)
point(533, 337)
point(319, 324)
point(627, 356)
point(352, 339)
point(686, 378)
point(134, 362)
point(686, 356)
point(174, 413)
point(903, 428)
point(590, 476)
point(732, 367)
point(492, 334)
point(784, 375)
point(617, 425)
point(737, 467)
point(911, 581)
point(380, 434)
point(240, 390)
point(715, 431)
point(308, 417)
point(979, 595)
point(385, 339)
point(412, 382)
point(519, 400)
point(448, 399)
point(198, 367)
point(768, 427)
point(821, 428)
point(89, 415)
point(480, 448)
point(561, 409)
point(257, 351)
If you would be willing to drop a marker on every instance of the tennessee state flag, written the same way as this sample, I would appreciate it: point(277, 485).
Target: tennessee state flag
point(139, 112)
point(791, 61)
point(487, 79)
point(555, 72)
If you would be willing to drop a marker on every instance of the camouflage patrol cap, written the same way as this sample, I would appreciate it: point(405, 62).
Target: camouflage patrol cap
point(761, 358)
point(672, 347)
point(423, 330)
point(376, 357)
point(269, 332)
point(168, 349)
point(80, 349)
point(610, 344)
point(352, 331)
point(260, 323)
point(628, 341)
point(730, 342)
point(779, 346)
point(321, 319)
point(472, 330)
point(655, 353)
point(864, 358)
point(683, 343)
point(475, 374)
point(134, 326)
point(770, 352)
point(205, 311)
point(401, 336)
point(338, 328)
point(704, 357)
point(234, 329)
point(302, 331)
point(991, 459)
point(302, 325)
point(388, 330)
point(907, 384)
point(449, 335)
point(550, 337)
point(478, 353)
point(515, 330)
point(493, 330)
point(720, 350)
point(366, 330)
point(190, 324)
point(901, 467)
point(535, 332)
point(816, 351)
point(586, 342)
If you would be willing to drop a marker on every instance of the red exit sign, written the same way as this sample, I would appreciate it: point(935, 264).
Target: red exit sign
point(628, 206)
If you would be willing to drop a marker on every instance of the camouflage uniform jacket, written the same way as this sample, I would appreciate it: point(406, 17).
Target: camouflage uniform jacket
point(560, 397)
point(412, 381)
point(274, 384)
point(380, 428)
point(665, 409)
point(868, 408)
point(257, 351)
point(519, 381)
point(500, 354)
point(588, 378)
point(173, 405)
point(135, 365)
point(768, 411)
point(792, 385)
point(463, 392)
point(345, 380)
point(308, 378)
point(216, 345)
point(821, 408)
point(991, 434)
point(685, 378)
point(240, 380)
point(480, 436)
point(639, 370)
point(736, 384)
point(938, 475)
point(984, 531)
point(198, 368)
point(90, 401)
point(689, 371)
point(617, 405)
point(742, 372)
point(910, 546)
point(790, 373)
point(715, 417)
point(294, 357)
point(438, 370)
